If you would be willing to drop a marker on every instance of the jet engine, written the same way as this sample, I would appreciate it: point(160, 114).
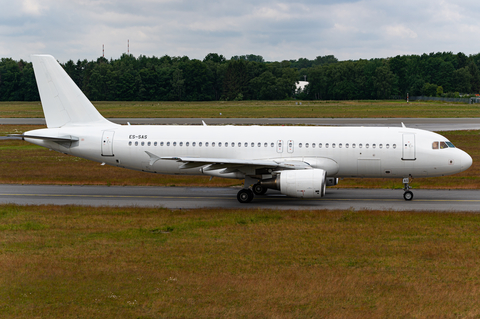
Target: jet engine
point(306, 183)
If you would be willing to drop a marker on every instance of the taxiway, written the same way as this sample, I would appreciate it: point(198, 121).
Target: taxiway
point(207, 197)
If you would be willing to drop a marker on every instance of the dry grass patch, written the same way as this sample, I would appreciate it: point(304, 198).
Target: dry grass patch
point(157, 263)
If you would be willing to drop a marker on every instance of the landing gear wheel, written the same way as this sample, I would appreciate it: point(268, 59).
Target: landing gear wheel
point(259, 189)
point(245, 196)
point(408, 195)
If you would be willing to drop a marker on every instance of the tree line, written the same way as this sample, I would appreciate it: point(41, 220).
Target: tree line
point(250, 77)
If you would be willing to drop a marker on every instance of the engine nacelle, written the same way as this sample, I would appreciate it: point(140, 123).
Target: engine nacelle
point(305, 183)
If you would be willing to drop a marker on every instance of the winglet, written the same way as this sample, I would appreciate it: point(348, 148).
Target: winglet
point(403, 125)
point(204, 124)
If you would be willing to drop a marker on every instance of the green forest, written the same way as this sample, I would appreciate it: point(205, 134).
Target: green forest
point(250, 77)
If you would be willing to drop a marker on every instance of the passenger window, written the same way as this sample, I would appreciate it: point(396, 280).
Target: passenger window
point(181, 143)
point(367, 145)
point(194, 143)
point(136, 143)
point(206, 144)
point(374, 145)
point(187, 144)
point(265, 145)
point(443, 145)
point(340, 145)
point(155, 144)
point(326, 145)
point(168, 143)
point(233, 144)
point(381, 145)
point(306, 145)
point(149, 143)
point(313, 145)
point(213, 144)
point(199, 144)
point(300, 145)
point(435, 145)
point(360, 145)
point(353, 145)
point(394, 145)
point(319, 145)
point(174, 143)
point(246, 144)
point(387, 146)
point(161, 143)
point(333, 145)
point(346, 145)
point(130, 143)
point(272, 145)
point(253, 144)
point(143, 143)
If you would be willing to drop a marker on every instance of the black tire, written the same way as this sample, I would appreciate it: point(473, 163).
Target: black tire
point(408, 195)
point(245, 196)
point(259, 189)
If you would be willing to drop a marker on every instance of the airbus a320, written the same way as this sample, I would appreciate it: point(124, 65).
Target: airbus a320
point(297, 161)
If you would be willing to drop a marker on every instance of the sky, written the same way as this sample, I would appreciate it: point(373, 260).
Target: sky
point(276, 30)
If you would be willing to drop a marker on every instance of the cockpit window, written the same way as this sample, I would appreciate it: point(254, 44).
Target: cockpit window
point(441, 145)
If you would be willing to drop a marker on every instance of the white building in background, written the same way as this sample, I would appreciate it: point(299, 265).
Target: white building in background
point(301, 86)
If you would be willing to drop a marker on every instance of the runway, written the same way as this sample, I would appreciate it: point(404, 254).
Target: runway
point(430, 124)
point(205, 197)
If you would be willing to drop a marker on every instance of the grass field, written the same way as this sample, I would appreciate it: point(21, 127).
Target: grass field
point(84, 262)
point(261, 109)
point(76, 262)
point(24, 163)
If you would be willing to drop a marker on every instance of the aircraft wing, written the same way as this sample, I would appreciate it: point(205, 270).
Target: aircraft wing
point(229, 163)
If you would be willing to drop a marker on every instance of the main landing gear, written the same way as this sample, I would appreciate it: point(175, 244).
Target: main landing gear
point(246, 194)
point(408, 195)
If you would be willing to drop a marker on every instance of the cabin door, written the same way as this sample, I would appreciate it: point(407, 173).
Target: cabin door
point(408, 147)
point(107, 143)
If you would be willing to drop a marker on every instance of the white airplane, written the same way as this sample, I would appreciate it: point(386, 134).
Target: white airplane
point(297, 161)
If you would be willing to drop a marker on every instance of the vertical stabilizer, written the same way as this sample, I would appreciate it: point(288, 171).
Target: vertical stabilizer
point(64, 104)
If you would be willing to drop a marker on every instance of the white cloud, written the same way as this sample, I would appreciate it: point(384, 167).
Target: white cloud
point(400, 31)
point(31, 7)
point(277, 30)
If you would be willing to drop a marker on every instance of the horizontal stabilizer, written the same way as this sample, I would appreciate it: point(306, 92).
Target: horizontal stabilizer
point(68, 138)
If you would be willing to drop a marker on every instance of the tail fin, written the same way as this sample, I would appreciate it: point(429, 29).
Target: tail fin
point(64, 104)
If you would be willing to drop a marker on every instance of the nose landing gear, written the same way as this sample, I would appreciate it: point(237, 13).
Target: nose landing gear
point(407, 195)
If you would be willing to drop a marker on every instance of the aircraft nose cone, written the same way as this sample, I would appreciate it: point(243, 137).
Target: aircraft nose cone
point(466, 161)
